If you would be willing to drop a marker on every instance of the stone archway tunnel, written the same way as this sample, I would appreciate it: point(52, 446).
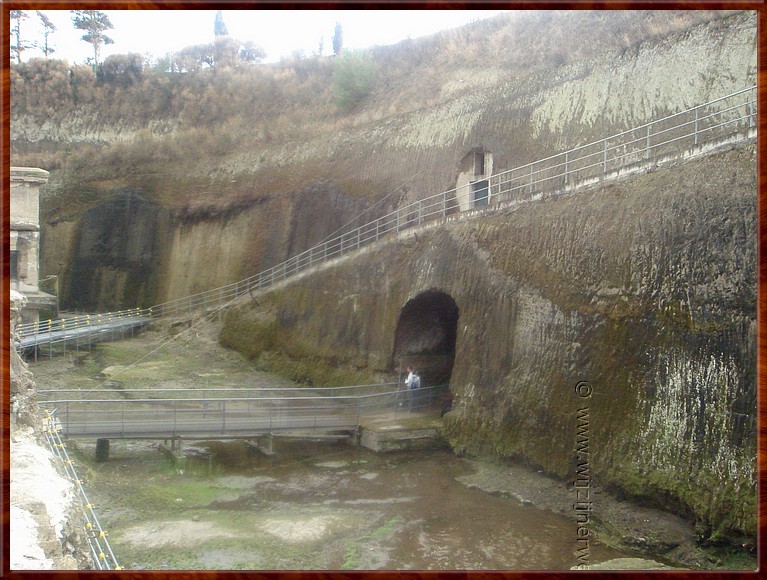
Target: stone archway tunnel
point(425, 336)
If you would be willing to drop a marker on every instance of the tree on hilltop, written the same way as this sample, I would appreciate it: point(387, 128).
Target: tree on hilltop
point(18, 46)
point(338, 39)
point(251, 52)
point(48, 29)
point(95, 23)
point(354, 78)
point(193, 58)
point(219, 27)
point(121, 69)
point(225, 52)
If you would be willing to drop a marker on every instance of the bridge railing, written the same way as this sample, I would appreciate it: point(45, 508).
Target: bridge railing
point(102, 556)
point(225, 416)
point(213, 393)
point(726, 118)
point(629, 151)
point(57, 329)
point(732, 117)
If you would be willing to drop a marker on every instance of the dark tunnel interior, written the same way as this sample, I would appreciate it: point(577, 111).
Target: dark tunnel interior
point(426, 335)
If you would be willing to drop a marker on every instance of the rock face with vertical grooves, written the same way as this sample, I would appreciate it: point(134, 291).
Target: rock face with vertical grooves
point(632, 304)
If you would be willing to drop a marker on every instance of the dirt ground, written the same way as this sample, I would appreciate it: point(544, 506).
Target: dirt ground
point(221, 496)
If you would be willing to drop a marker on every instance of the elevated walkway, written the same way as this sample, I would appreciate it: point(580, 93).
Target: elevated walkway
point(85, 334)
point(724, 122)
point(237, 417)
point(78, 332)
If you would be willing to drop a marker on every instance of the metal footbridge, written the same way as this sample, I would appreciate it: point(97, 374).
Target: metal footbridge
point(82, 330)
point(228, 413)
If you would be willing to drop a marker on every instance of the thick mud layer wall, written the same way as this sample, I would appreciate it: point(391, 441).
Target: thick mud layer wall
point(118, 247)
point(131, 252)
point(619, 319)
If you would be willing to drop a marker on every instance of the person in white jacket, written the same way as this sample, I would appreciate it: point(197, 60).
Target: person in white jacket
point(412, 382)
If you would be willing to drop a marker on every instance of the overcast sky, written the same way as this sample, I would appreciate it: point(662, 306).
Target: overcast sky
point(279, 32)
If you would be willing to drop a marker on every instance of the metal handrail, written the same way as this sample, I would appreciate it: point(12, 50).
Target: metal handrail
point(312, 399)
point(596, 159)
point(75, 323)
point(101, 553)
point(42, 393)
point(225, 415)
point(672, 136)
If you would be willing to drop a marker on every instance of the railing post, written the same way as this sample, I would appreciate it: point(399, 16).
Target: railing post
point(604, 165)
point(531, 179)
point(444, 204)
point(396, 401)
point(647, 144)
point(359, 411)
point(696, 126)
point(567, 166)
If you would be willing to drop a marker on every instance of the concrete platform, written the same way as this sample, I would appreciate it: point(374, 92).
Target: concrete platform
point(405, 431)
